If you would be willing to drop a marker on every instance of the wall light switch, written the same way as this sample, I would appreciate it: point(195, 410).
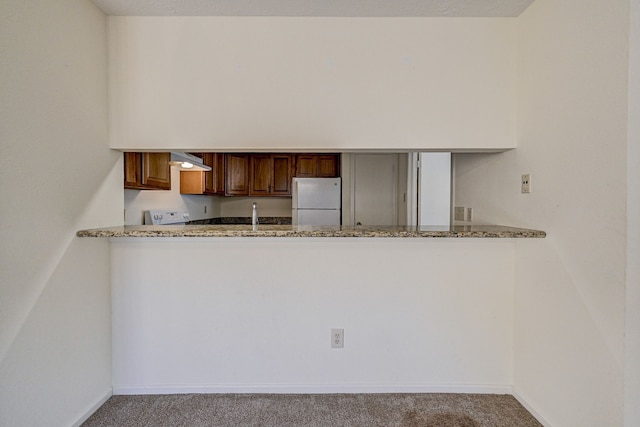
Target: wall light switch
point(526, 183)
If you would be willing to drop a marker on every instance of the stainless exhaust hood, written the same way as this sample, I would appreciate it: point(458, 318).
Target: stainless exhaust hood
point(188, 162)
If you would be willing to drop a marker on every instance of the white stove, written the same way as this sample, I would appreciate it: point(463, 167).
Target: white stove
point(166, 217)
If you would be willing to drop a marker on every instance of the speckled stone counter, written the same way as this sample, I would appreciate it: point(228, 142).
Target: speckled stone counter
point(237, 220)
point(475, 231)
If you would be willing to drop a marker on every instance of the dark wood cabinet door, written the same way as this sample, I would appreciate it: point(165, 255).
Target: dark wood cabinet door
point(260, 175)
point(218, 169)
point(328, 166)
point(209, 177)
point(237, 174)
point(317, 165)
point(156, 171)
point(282, 173)
point(147, 171)
point(270, 175)
point(132, 170)
point(306, 165)
point(214, 180)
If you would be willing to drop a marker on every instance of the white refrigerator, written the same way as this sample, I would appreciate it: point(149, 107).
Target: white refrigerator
point(316, 201)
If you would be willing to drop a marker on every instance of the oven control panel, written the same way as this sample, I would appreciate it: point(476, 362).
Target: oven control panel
point(166, 217)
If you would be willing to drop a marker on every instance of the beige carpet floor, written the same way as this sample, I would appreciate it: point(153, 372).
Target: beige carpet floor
point(331, 410)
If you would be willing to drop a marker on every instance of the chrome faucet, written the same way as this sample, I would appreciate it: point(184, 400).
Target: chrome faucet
point(254, 215)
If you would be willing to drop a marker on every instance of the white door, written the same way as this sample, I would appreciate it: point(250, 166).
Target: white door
point(375, 187)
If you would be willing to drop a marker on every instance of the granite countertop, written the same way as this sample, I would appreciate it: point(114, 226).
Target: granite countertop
point(477, 231)
point(230, 220)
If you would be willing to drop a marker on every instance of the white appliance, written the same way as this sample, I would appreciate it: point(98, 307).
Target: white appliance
point(434, 189)
point(316, 201)
point(166, 217)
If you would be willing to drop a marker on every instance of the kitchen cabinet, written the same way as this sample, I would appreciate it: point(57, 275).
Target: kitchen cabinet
point(236, 175)
point(214, 180)
point(192, 182)
point(328, 165)
point(147, 171)
point(317, 165)
point(132, 170)
point(282, 174)
point(270, 174)
point(306, 165)
point(211, 182)
point(256, 174)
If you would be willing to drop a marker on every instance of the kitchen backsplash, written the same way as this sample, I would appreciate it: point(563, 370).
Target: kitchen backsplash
point(229, 220)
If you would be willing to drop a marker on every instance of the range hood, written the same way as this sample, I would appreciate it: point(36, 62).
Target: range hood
point(188, 162)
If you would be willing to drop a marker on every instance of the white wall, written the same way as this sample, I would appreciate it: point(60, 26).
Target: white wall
point(138, 201)
point(274, 83)
point(55, 349)
point(570, 287)
point(258, 317)
point(632, 312)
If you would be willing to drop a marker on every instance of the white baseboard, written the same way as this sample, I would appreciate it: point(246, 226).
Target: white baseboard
point(523, 401)
point(310, 389)
point(93, 408)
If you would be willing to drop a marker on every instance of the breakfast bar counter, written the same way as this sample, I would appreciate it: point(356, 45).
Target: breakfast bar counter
point(422, 309)
point(467, 231)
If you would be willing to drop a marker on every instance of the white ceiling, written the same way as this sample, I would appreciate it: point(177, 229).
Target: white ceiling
point(349, 8)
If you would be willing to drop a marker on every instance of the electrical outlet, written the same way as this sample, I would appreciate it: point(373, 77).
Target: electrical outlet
point(469, 214)
point(337, 338)
point(458, 213)
point(526, 183)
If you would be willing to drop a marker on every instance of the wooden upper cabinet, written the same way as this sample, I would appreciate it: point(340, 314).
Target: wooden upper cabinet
point(132, 170)
point(328, 165)
point(214, 180)
point(237, 174)
point(147, 171)
point(317, 165)
point(282, 174)
point(306, 165)
point(211, 182)
point(192, 182)
point(261, 171)
point(256, 174)
point(270, 175)
point(156, 171)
